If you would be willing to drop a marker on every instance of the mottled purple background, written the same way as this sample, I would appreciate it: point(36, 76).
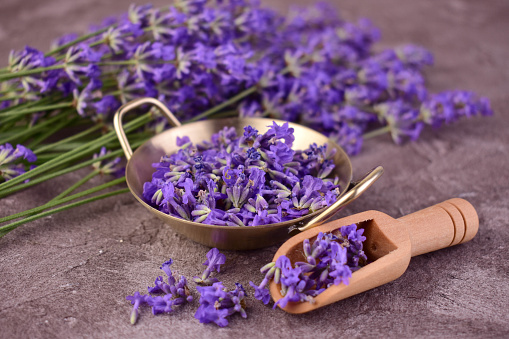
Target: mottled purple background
point(67, 275)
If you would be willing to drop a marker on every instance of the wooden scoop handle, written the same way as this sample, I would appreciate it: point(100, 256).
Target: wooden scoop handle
point(448, 223)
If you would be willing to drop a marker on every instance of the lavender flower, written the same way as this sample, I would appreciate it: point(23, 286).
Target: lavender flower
point(136, 300)
point(175, 293)
point(313, 67)
point(214, 261)
point(112, 167)
point(255, 179)
point(216, 304)
point(330, 260)
point(9, 155)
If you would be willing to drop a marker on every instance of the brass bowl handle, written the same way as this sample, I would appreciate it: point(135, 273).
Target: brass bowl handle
point(117, 120)
point(356, 189)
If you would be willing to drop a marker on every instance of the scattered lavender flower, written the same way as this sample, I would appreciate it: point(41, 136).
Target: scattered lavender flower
point(216, 304)
point(136, 300)
point(9, 155)
point(330, 260)
point(214, 261)
point(175, 293)
point(255, 179)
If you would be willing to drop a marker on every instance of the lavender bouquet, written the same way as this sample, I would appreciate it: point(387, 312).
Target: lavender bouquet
point(205, 59)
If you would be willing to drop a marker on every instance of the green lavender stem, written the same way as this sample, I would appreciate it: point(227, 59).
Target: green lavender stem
point(224, 104)
point(78, 40)
point(73, 187)
point(61, 201)
point(14, 75)
point(66, 170)
point(69, 139)
point(7, 228)
point(75, 154)
point(13, 117)
point(377, 132)
point(36, 109)
point(50, 132)
point(30, 131)
point(12, 97)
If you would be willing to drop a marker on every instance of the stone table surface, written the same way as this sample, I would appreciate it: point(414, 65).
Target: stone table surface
point(68, 275)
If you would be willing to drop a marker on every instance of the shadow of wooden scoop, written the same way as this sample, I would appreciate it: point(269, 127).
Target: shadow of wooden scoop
point(389, 245)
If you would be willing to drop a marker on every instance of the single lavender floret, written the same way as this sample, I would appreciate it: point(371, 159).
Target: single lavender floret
point(136, 300)
point(214, 261)
point(9, 155)
point(106, 166)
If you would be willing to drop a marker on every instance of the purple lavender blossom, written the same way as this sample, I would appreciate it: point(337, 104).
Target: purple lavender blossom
point(106, 166)
point(136, 300)
point(9, 155)
point(214, 261)
point(175, 293)
point(255, 179)
point(216, 304)
point(330, 260)
point(194, 55)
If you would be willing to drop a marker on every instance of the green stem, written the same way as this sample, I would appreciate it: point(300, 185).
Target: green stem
point(37, 109)
point(117, 63)
point(66, 170)
point(69, 139)
point(224, 104)
point(27, 104)
point(10, 90)
point(14, 75)
point(377, 132)
point(75, 154)
point(12, 98)
point(65, 147)
point(50, 132)
point(31, 131)
point(52, 203)
point(45, 157)
point(7, 228)
point(78, 40)
point(73, 187)
point(19, 74)
point(70, 43)
point(226, 114)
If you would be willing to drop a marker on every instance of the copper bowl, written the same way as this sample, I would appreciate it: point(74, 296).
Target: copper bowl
point(139, 171)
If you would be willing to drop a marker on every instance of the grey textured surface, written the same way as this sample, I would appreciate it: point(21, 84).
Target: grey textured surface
point(68, 275)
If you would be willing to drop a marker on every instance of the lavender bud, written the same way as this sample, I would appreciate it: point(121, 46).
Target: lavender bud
point(306, 247)
point(277, 275)
point(317, 251)
point(267, 267)
point(324, 275)
point(270, 273)
point(134, 316)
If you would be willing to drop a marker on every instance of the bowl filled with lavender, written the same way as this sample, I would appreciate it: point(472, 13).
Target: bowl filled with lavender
point(237, 183)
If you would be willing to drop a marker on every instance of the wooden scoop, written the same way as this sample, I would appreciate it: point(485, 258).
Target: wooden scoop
point(389, 245)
